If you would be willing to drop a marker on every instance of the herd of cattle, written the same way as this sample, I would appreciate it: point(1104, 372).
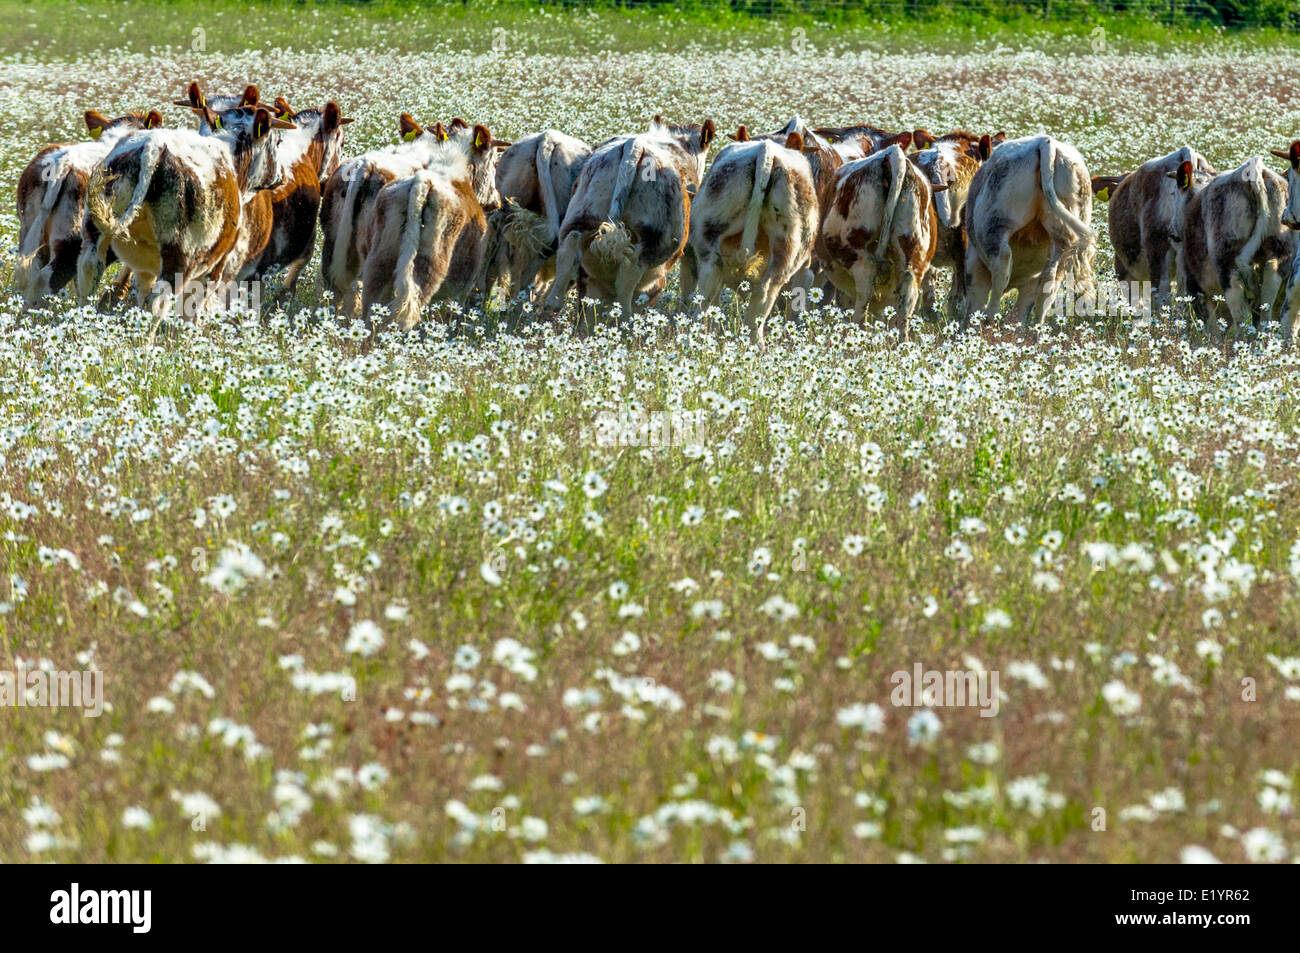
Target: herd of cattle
point(450, 212)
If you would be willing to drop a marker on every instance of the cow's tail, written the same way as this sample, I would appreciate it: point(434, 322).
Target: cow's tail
point(1079, 258)
point(347, 215)
point(762, 179)
point(406, 290)
point(26, 272)
point(897, 173)
point(546, 185)
point(1244, 262)
point(105, 187)
point(1047, 172)
point(630, 160)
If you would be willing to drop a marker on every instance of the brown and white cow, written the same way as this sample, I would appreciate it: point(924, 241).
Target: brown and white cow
point(949, 164)
point(754, 218)
point(880, 232)
point(310, 152)
point(1142, 208)
point(1028, 224)
point(626, 225)
point(169, 203)
point(535, 179)
point(350, 192)
point(1234, 242)
point(424, 239)
point(52, 202)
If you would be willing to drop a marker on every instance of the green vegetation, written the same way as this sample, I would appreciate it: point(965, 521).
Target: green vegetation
point(49, 28)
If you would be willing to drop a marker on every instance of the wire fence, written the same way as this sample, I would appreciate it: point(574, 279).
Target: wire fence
point(1230, 14)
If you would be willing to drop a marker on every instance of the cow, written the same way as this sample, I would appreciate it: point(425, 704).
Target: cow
point(425, 237)
point(1141, 211)
point(626, 225)
point(169, 203)
point(350, 191)
point(535, 180)
point(1028, 224)
point(1291, 220)
point(949, 163)
point(754, 218)
point(52, 200)
point(310, 152)
point(880, 233)
point(1234, 242)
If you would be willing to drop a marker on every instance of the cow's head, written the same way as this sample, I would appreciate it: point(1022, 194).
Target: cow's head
point(1184, 176)
point(254, 150)
point(692, 139)
point(481, 153)
point(948, 165)
point(197, 102)
point(1291, 215)
point(988, 143)
point(325, 129)
point(97, 125)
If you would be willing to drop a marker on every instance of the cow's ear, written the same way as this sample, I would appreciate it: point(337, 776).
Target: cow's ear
point(939, 188)
point(1184, 176)
point(261, 122)
point(457, 123)
point(740, 135)
point(153, 120)
point(95, 123)
point(986, 148)
point(903, 140)
point(999, 137)
point(194, 97)
point(1101, 188)
point(657, 121)
point(708, 134)
point(282, 108)
point(794, 141)
point(251, 96)
point(482, 139)
point(331, 116)
point(410, 129)
point(922, 139)
point(1294, 154)
point(211, 118)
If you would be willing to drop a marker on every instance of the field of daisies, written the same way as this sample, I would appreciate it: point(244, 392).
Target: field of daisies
point(576, 592)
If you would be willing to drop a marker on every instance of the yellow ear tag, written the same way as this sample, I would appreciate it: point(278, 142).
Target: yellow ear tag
point(410, 135)
point(216, 122)
point(96, 132)
point(1104, 193)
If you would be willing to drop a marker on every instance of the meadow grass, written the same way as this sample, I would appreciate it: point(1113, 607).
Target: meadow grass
point(454, 596)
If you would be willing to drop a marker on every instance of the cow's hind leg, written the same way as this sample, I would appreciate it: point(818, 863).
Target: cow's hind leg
point(568, 261)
